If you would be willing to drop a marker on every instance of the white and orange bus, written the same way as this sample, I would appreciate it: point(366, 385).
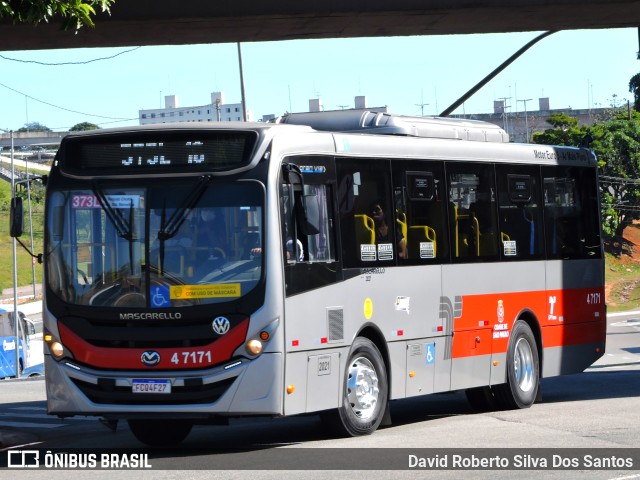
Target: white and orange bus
point(197, 272)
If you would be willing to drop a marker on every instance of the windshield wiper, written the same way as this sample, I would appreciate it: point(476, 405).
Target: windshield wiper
point(172, 226)
point(122, 226)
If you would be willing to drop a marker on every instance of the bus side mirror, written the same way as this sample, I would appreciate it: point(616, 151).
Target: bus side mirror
point(16, 217)
point(31, 328)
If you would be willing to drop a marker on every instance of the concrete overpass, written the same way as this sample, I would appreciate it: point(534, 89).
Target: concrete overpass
point(31, 139)
point(161, 22)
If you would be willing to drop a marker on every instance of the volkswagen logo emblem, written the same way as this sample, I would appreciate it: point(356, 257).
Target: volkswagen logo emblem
point(150, 358)
point(221, 325)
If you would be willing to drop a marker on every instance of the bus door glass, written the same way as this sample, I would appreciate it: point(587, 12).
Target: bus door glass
point(310, 256)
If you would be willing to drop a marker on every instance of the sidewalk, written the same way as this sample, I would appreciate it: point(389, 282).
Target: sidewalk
point(25, 298)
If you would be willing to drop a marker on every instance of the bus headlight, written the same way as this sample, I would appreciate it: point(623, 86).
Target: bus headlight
point(57, 349)
point(254, 347)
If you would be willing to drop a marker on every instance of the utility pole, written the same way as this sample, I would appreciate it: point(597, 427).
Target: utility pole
point(15, 264)
point(33, 264)
point(244, 100)
point(526, 118)
point(504, 113)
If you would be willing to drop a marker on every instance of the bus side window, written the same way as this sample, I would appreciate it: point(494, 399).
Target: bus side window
point(571, 213)
point(472, 211)
point(420, 210)
point(370, 233)
point(520, 216)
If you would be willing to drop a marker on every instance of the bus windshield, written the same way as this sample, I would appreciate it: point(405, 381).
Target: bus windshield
point(158, 246)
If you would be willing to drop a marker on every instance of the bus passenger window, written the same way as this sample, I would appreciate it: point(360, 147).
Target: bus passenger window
point(472, 198)
point(571, 213)
point(370, 232)
point(420, 211)
point(520, 214)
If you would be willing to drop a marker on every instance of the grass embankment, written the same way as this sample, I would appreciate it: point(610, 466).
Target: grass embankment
point(622, 273)
point(25, 272)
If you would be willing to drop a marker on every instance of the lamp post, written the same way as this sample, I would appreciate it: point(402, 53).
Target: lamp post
point(244, 100)
point(15, 265)
point(33, 263)
point(526, 118)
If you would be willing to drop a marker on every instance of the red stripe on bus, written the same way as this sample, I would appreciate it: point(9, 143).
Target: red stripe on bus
point(173, 358)
point(565, 317)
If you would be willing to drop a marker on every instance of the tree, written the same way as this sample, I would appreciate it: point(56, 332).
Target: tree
point(81, 127)
point(565, 131)
point(634, 87)
point(74, 13)
point(616, 143)
point(33, 127)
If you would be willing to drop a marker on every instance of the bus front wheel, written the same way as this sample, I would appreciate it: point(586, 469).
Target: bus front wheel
point(523, 370)
point(160, 433)
point(364, 400)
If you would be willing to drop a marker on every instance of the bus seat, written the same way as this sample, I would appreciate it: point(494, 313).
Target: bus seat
point(462, 242)
point(365, 230)
point(418, 234)
point(401, 218)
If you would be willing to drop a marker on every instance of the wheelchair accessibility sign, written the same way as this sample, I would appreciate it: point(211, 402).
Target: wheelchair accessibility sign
point(160, 297)
point(431, 351)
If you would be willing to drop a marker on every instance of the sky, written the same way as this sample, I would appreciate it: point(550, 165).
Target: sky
point(417, 75)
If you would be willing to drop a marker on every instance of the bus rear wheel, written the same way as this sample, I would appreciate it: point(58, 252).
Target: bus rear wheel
point(366, 392)
point(523, 370)
point(160, 433)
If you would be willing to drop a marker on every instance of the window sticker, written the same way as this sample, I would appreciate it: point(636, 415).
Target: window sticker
point(427, 250)
point(510, 249)
point(368, 252)
point(218, 290)
point(403, 304)
point(385, 251)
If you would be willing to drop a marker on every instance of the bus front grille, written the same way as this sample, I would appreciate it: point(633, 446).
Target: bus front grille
point(105, 392)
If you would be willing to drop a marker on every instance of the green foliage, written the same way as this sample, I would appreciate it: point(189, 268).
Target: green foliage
point(634, 87)
point(565, 131)
point(81, 127)
point(616, 142)
point(74, 14)
point(33, 127)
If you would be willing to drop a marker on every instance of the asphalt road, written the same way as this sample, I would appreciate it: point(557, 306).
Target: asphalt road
point(592, 411)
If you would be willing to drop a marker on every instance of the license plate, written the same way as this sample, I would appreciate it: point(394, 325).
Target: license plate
point(144, 385)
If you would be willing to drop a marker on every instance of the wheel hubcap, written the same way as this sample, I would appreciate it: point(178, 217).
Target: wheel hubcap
point(523, 365)
point(362, 388)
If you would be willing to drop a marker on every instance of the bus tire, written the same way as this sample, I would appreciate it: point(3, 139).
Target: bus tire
point(160, 433)
point(523, 370)
point(366, 391)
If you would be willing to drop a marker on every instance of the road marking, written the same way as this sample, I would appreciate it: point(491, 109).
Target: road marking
point(31, 425)
point(36, 417)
